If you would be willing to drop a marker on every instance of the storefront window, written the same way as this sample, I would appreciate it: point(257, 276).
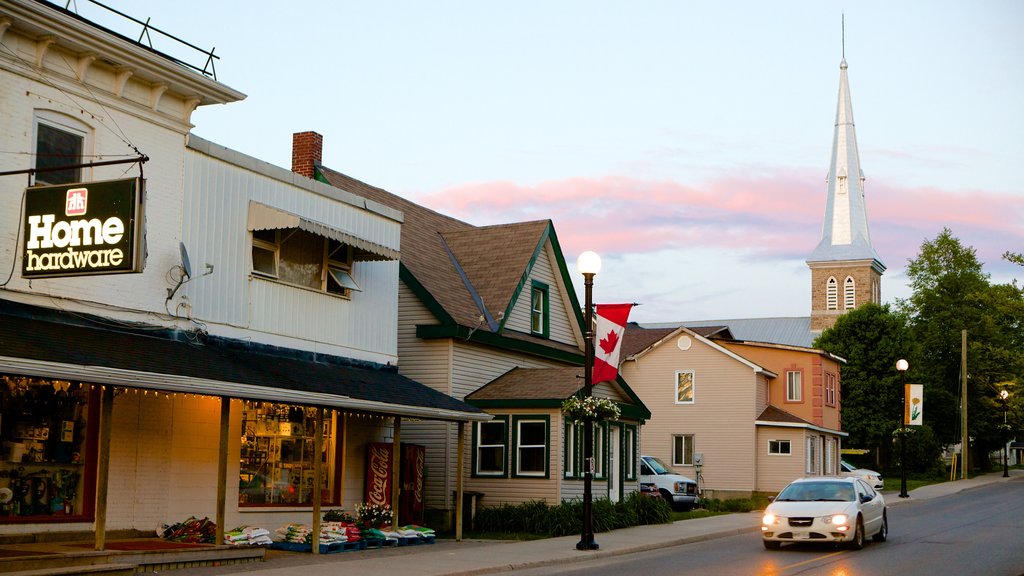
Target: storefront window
point(44, 434)
point(277, 456)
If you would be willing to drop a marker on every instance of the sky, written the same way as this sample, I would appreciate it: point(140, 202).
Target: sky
point(685, 142)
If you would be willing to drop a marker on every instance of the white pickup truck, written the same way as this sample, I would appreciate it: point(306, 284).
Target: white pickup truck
point(679, 491)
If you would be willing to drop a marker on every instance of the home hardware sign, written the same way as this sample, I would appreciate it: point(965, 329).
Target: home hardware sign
point(82, 229)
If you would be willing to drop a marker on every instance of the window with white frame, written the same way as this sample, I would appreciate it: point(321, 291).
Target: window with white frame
point(811, 460)
point(629, 451)
point(300, 258)
point(794, 386)
point(600, 454)
point(531, 445)
point(682, 450)
point(779, 448)
point(684, 386)
point(573, 443)
point(490, 440)
point(831, 294)
point(539, 317)
point(849, 293)
point(59, 141)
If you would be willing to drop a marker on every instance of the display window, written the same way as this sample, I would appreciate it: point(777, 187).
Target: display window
point(277, 456)
point(48, 436)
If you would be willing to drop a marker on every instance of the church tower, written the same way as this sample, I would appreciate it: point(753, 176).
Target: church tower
point(845, 269)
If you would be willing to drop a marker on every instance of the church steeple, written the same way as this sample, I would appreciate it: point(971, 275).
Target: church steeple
point(845, 269)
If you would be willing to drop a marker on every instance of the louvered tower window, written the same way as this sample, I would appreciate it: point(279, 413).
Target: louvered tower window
point(832, 294)
point(849, 293)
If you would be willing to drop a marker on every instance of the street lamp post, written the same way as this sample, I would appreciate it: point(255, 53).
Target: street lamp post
point(588, 264)
point(901, 367)
point(1003, 395)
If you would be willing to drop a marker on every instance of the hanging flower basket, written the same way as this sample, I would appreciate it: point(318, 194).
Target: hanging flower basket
point(589, 409)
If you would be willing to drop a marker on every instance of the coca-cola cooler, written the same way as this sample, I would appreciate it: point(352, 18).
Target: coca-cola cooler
point(379, 474)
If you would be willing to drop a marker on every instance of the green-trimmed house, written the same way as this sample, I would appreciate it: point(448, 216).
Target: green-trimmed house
point(488, 314)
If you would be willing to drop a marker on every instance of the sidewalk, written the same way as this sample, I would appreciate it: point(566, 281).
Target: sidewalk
point(488, 557)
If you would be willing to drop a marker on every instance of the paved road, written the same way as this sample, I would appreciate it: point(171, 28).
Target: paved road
point(978, 532)
point(471, 558)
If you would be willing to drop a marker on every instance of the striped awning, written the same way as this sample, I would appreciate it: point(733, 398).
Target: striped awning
point(263, 217)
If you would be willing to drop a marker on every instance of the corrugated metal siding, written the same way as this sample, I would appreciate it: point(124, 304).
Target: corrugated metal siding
point(560, 323)
point(216, 201)
point(721, 418)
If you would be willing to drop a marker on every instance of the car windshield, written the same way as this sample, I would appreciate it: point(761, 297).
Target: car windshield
point(817, 491)
point(657, 465)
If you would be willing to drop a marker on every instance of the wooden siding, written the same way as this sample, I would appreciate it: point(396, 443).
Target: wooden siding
point(726, 396)
point(561, 320)
point(520, 490)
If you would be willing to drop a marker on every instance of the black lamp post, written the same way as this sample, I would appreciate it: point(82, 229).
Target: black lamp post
point(1003, 395)
point(901, 367)
point(588, 264)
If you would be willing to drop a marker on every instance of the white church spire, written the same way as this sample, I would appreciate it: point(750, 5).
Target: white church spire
point(845, 235)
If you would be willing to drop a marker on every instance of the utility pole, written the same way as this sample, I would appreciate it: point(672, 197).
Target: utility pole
point(963, 403)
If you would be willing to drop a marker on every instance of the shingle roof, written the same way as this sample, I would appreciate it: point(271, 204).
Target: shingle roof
point(532, 384)
point(444, 254)
point(636, 338)
point(774, 414)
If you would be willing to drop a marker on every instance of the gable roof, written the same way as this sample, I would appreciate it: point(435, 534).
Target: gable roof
point(795, 331)
point(640, 341)
point(547, 388)
point(470, 276)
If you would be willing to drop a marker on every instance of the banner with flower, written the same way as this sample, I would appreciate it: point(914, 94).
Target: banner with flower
point(590, 409)
point(913, 412)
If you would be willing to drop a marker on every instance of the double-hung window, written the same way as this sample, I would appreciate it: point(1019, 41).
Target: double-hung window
point(684, 387)
point(530, 441)
point(490, 441)
point(59, 141)
point(629, 448)
point(682, 450)
point(794, 386)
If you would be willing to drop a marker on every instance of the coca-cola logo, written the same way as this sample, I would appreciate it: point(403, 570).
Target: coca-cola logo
point(377, 491)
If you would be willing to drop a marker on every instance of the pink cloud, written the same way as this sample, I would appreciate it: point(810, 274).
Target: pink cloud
point(773, 216)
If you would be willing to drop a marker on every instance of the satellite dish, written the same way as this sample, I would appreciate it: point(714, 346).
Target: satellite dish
point(186, 266)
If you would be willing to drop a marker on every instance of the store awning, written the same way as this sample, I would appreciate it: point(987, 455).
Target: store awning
point(51, 344)
point(263, 217)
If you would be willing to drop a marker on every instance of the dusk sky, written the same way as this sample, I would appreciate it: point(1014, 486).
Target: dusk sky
point(685, 142)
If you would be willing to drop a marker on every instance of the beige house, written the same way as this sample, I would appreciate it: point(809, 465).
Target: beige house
point(720, 412)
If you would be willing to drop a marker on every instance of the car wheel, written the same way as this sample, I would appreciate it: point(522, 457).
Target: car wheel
point(858, 536)
point(883, 530)
point(668, 498)
point(771, 545)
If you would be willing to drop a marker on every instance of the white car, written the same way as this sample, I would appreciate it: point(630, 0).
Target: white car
point(870, 476)
point(825, 509)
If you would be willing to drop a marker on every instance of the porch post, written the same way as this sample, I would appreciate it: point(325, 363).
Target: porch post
point(396, 472)
point(318, 475)
point(460, 464)
point(222, 467)
point(103, 465)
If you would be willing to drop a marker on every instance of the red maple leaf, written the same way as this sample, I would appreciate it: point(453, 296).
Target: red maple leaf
point(609, 342)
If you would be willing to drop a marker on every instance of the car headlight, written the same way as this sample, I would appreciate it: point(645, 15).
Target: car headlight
point(838, 520)
point(769, 519)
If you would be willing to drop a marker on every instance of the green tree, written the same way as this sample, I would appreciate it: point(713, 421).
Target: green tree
point(870, 338)
point(952, 293)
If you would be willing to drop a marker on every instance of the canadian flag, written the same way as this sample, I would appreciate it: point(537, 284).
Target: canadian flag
point(610, 325)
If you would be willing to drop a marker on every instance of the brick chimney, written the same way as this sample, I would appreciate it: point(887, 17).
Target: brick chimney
point(307, 149)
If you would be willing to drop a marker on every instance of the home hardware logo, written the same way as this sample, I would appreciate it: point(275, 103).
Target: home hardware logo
point(76, 244)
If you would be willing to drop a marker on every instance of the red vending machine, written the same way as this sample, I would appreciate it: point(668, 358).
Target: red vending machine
point(379, 475)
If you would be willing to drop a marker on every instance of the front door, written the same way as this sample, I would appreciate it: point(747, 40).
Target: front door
point(614, 463)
